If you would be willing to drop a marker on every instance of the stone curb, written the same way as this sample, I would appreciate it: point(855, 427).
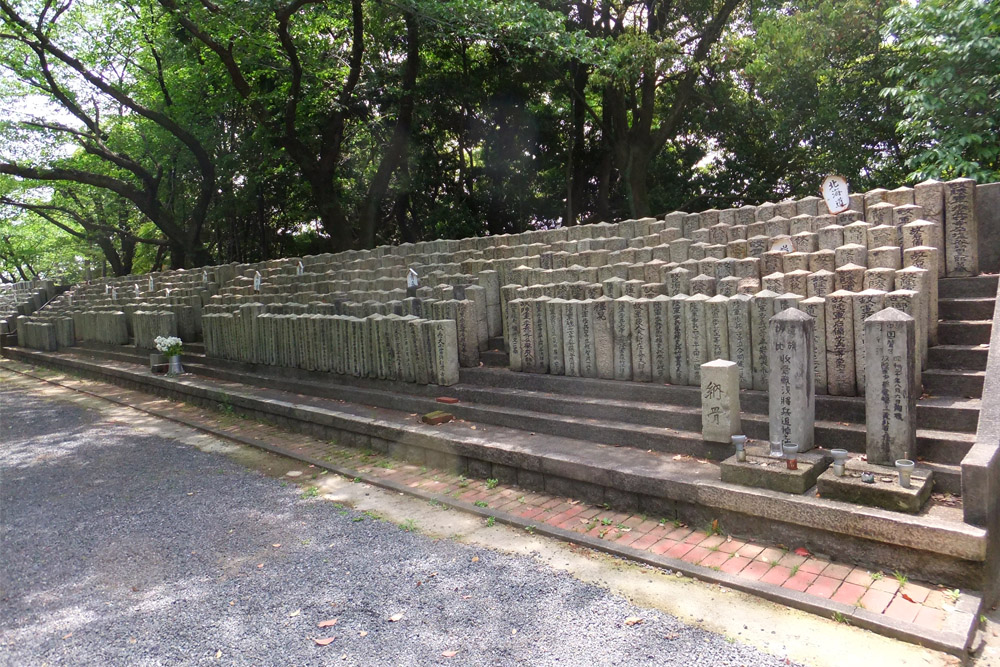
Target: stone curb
point(965, 542)
point(955, 642)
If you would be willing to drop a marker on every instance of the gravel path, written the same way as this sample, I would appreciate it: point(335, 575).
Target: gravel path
point(117, 547)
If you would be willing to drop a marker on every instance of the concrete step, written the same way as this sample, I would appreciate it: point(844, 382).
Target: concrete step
point(964, 332)
point(978, 286)
point(969, 357)
point(494, 359)
point(935, 545)
point(974, 308)
point(938, 412)
point(673, 429)
point(953, 382)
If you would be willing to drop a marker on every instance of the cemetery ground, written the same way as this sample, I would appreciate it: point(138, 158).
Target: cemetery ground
point(131, 538)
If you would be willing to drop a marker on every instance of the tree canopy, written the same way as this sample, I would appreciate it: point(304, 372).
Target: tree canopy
point(173, 133)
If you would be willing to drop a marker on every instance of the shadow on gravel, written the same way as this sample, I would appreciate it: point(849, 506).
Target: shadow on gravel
point(118, 548)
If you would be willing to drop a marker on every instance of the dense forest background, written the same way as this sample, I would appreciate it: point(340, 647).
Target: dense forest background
point(146, 134)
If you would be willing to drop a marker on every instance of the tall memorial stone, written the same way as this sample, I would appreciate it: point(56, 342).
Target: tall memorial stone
point(720, 401)
point(866, 303)
point(677, 355)
point(554, 324)
point(696, 336)
point(740, 338)
point(603, 337)
point(840, 375)
point(717, 327)
point(642, 367)
point(621, 324)
point(961, 233)
point(890, 399)
point(513, 334)
point(585, 329)
point(791, 385)
point(761, 311)
point(815, 307)
point(657, 308)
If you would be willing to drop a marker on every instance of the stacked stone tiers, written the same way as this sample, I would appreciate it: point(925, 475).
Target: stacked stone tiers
point(734, 268)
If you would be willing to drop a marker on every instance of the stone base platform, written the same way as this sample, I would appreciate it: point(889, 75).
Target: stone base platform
point(763, 472)
point(936, 545)
point(884, 492)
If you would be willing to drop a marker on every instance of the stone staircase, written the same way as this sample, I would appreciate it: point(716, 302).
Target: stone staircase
point(957, 365)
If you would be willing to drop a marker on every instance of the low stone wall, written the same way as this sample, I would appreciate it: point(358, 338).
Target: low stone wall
point(389, 347)
point(102, 327)
point(148, 324)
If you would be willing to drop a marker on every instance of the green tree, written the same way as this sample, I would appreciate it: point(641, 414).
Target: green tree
point(949, 86)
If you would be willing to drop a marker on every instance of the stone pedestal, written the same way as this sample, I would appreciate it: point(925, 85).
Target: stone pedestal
point(890, 396)
point(791, 386)
point(720, 401)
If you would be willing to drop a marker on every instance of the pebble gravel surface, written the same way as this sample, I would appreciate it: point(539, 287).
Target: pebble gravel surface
point(122, 548)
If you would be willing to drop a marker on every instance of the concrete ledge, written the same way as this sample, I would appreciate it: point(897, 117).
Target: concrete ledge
point(764, 472)
point(586, 465)
point(884, 492)
point(955, 640)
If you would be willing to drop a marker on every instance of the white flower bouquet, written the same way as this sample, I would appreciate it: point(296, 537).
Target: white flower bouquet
point(169, 345)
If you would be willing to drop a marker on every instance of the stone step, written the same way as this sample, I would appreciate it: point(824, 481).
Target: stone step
point(964, 332)
point(494, 359)
point(953, 382)
point(978, 286)
point(651, 426)
point(938, 412)
point(969, 357)
point(935, 545)
point(977, 308)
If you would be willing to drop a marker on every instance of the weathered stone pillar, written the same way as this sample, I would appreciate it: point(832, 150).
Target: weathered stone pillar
point(961, 232)
point(720, 401)
point(621, 325)
point(761, 311)
point(695, 335)
point(815, 307)
point(866, 304)
point(840, 375)
point(740, 338)
point(791, 386)
point(890, 399)
point(677, 354)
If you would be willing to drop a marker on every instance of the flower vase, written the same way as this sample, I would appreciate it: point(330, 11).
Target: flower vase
point(175, 365)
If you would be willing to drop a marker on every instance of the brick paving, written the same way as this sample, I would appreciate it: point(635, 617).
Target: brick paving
point(891, 594)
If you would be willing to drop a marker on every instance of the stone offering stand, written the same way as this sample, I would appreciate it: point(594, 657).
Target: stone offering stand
point(577, 354)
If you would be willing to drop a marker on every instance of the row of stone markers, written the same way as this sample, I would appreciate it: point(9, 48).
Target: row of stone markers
point(890, 404)
point(389, 347)
point(147, 325)
point(667, 339)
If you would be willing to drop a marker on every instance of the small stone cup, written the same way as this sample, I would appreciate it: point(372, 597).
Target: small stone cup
point(905, 468)
point(839, 461)
point(791, 454)
point(740, 443)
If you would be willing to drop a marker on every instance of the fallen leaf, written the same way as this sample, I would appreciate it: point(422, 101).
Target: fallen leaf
point(449, 654)
point(803, 552)
point(295, 613)
point(276, 545)
point(218, 654)
point(68, 636)
point(475, 559)
point(395, 617)
point(260, 566)
point(325, 641)
point(633, 620)
point(513, 632)
point(363, 633)
point(908, 598)
point(326, 624)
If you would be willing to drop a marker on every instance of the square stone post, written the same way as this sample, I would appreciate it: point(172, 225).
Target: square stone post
point(866, 304)
point(740, 341)
point(890, 398)
point(761, 311)
point(961, 232)
point(603, 337)
point(695, 335)
point(815, 307)
point(720, 401)
point(621, 325)
point(677, 355)
point(791, 386)
point(840, 376)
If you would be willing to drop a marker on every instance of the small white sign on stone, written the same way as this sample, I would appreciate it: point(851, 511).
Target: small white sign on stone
point(783, 245)
point(300, 269)
point(412, 279)
point(836, 194)
point(256, 281)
